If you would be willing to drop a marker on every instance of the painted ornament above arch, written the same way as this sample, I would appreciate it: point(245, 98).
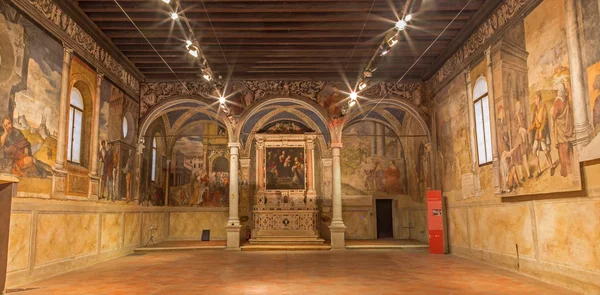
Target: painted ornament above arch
point(329, 95)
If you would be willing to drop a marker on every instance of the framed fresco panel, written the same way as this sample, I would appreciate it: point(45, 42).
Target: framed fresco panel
point(285, 168)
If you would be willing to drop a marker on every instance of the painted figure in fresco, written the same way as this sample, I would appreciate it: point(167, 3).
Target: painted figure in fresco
point(541, 133)
point(392, 179)
point(563, 128)
point(370, 178)
point(333, 103)
point(115, 172)
point(508, 168)
point(101, 168)
point(519, 158)
point(597, 105)
point(127, 171)
point(17, 154)
point(298, 172)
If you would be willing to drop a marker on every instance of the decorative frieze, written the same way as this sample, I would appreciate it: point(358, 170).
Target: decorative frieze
point(499, 18)
point(253, 91)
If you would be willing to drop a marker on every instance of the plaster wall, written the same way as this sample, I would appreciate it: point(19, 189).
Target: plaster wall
point(552, 236)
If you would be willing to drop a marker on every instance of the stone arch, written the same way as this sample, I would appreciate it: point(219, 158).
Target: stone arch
point(200, 105)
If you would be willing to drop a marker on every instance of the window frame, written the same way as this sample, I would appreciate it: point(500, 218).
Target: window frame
point(70, 135)
point(478, 103)
point(153, 156)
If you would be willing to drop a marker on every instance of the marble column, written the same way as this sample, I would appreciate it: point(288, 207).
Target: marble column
point(380, 134)
point(95, 125)
point(583, 128)
point(311, 194)
point(64, 106)
point(233, 223)
point(337, 226)
point(472, 139)
point(373, 128)
point(260, 165)
point(492, 105)
point(167, 182)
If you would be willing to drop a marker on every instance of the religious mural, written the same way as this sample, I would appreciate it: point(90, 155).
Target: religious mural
point(591, 48)
point(285, 168)
point(373, 163)
point(535, 126)
point(198, 174)
point(30, 89)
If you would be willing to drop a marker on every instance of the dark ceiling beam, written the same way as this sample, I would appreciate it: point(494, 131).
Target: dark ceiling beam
point(278, 8)
point(266, 17)
point(120, 34)
point(284, 27)
point(178, 44)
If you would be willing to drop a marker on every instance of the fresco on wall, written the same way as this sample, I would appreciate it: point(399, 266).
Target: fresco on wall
point(368, 168)
point(535, 122)
point(591, 46)
point(285, 168)
point(194, 182)
point(30, 82)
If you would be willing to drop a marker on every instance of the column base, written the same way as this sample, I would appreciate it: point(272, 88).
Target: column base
point(233, 237)
point(338, 240)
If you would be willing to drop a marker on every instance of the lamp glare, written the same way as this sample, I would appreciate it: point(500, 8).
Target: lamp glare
point(174, 15)
point(222, 100)
point(401, 25)
point(166, 1)
point(408, 17)
point(353, 95)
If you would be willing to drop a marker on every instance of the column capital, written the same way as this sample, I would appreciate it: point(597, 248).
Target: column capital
point(99, 76)
point(488, 56)
point(337, 145)
point(67, 49)
point(467, 73)
point(245, 162)
point(234, 144)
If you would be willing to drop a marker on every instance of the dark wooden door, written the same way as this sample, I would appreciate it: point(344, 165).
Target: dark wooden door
point(385, 229)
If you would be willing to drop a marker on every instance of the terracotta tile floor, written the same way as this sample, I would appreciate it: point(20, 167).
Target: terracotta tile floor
point(322, 272)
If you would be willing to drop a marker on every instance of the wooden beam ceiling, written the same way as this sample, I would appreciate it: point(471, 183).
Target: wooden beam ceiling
point(292, 39)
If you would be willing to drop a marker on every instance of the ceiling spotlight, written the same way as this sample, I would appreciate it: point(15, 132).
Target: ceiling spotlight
point(208, 77)
point(384, 52)
point(193, 50)
point(174, 15)
point(188, 42)
point(401, 25)
point(408, 17)
point(166, 1)
point(353, 95)
point(392, 40)
point(222, 100)
point(362, 86)
point(352, 102)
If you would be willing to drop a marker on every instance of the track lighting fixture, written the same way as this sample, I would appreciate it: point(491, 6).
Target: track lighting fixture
point(362, 85)
point(174, 15)
point(193, 50)
point(207, 77)
point(408, 17)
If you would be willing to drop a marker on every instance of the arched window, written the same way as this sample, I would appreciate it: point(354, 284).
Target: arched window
point(482, 121)
point(75, 126)
point(153, 168)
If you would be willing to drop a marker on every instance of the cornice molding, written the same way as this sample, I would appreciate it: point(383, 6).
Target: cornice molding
point(62, 26)
point(506, 14)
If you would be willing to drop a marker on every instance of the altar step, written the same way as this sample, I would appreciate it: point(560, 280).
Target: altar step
point(287, 241)
point(285, 247)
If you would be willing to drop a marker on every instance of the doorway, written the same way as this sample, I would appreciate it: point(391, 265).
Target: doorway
point(385, 228)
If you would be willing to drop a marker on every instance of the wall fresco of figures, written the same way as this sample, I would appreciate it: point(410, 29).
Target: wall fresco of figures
point(199, 169)
point(591, 61)
point(30, 89)
point(375, 163)
point(535, 126)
